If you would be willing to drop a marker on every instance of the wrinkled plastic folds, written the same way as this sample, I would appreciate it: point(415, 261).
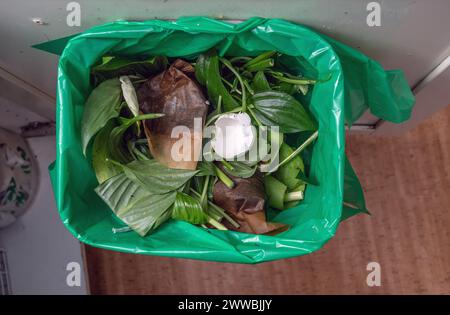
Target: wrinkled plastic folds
point(354, 84)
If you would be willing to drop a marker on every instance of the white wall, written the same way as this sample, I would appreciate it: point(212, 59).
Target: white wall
point(38, 245)
point(413, 35)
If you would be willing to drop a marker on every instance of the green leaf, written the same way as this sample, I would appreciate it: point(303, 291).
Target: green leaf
point(207, 73)
point(113, 67)
point(260, 83)
point(117, 149)
point(103, 167)
point(289, 78)
point(200, 69)
point(240, 169)
point(148, 213)
point(103, 104)
point(129, 94)
point(205, 168)
point(155, 177)
point(288, 173)
point(273, 108)
point(275, 191)
point(261, 65)
point(134, 205)
point(264, 56)
point(188, 209)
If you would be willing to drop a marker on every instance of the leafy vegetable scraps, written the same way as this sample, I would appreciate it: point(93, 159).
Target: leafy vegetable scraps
point(150, 122)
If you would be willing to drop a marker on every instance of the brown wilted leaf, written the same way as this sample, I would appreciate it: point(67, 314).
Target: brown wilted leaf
point(176, 95)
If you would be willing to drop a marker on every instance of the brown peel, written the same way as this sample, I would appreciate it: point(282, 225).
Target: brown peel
point(177, 96)
point(245, 203)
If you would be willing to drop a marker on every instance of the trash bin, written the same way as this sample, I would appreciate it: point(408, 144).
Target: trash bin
point(350, 83)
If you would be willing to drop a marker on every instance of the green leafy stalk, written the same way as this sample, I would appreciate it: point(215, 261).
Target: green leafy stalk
point(140, 156)
point(227, 165)
point(293, 196)
point(248, 87)
point(130, 121)
point(261, 65)
point(261, 57)
point(218, 209)
point(216, 224)
point(252, 113)
point(239, 169)
point(299, 149)
point(207, 73)
point(240, 59)
point(224, 178)
point(204, 196)
point(285, 77)
point(121, 229)
point(296, 81)
point(216, 113)
point(241, 82)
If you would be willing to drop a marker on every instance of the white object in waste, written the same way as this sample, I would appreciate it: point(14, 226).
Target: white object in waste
point(234, 135)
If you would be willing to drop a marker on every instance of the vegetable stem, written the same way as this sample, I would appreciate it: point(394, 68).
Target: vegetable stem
point(298, 150)
point(216, 224)
point(139, 81)
point(141, 141)
point(145, 116)
point(293, 196)
point(224, 178)
point(232, 87)
point(241, 82)
point(203, 197)
point(130, 121)
point(139, 154)
point(248, 87)
point(219, 210)
point(260, 58)
point(252, 113)
point(261, 65)
point(227, 164)
point(121, 229)
point(240, 59)
point(293, 80)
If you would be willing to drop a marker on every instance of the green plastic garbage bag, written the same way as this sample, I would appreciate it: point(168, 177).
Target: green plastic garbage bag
point(354, 84)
